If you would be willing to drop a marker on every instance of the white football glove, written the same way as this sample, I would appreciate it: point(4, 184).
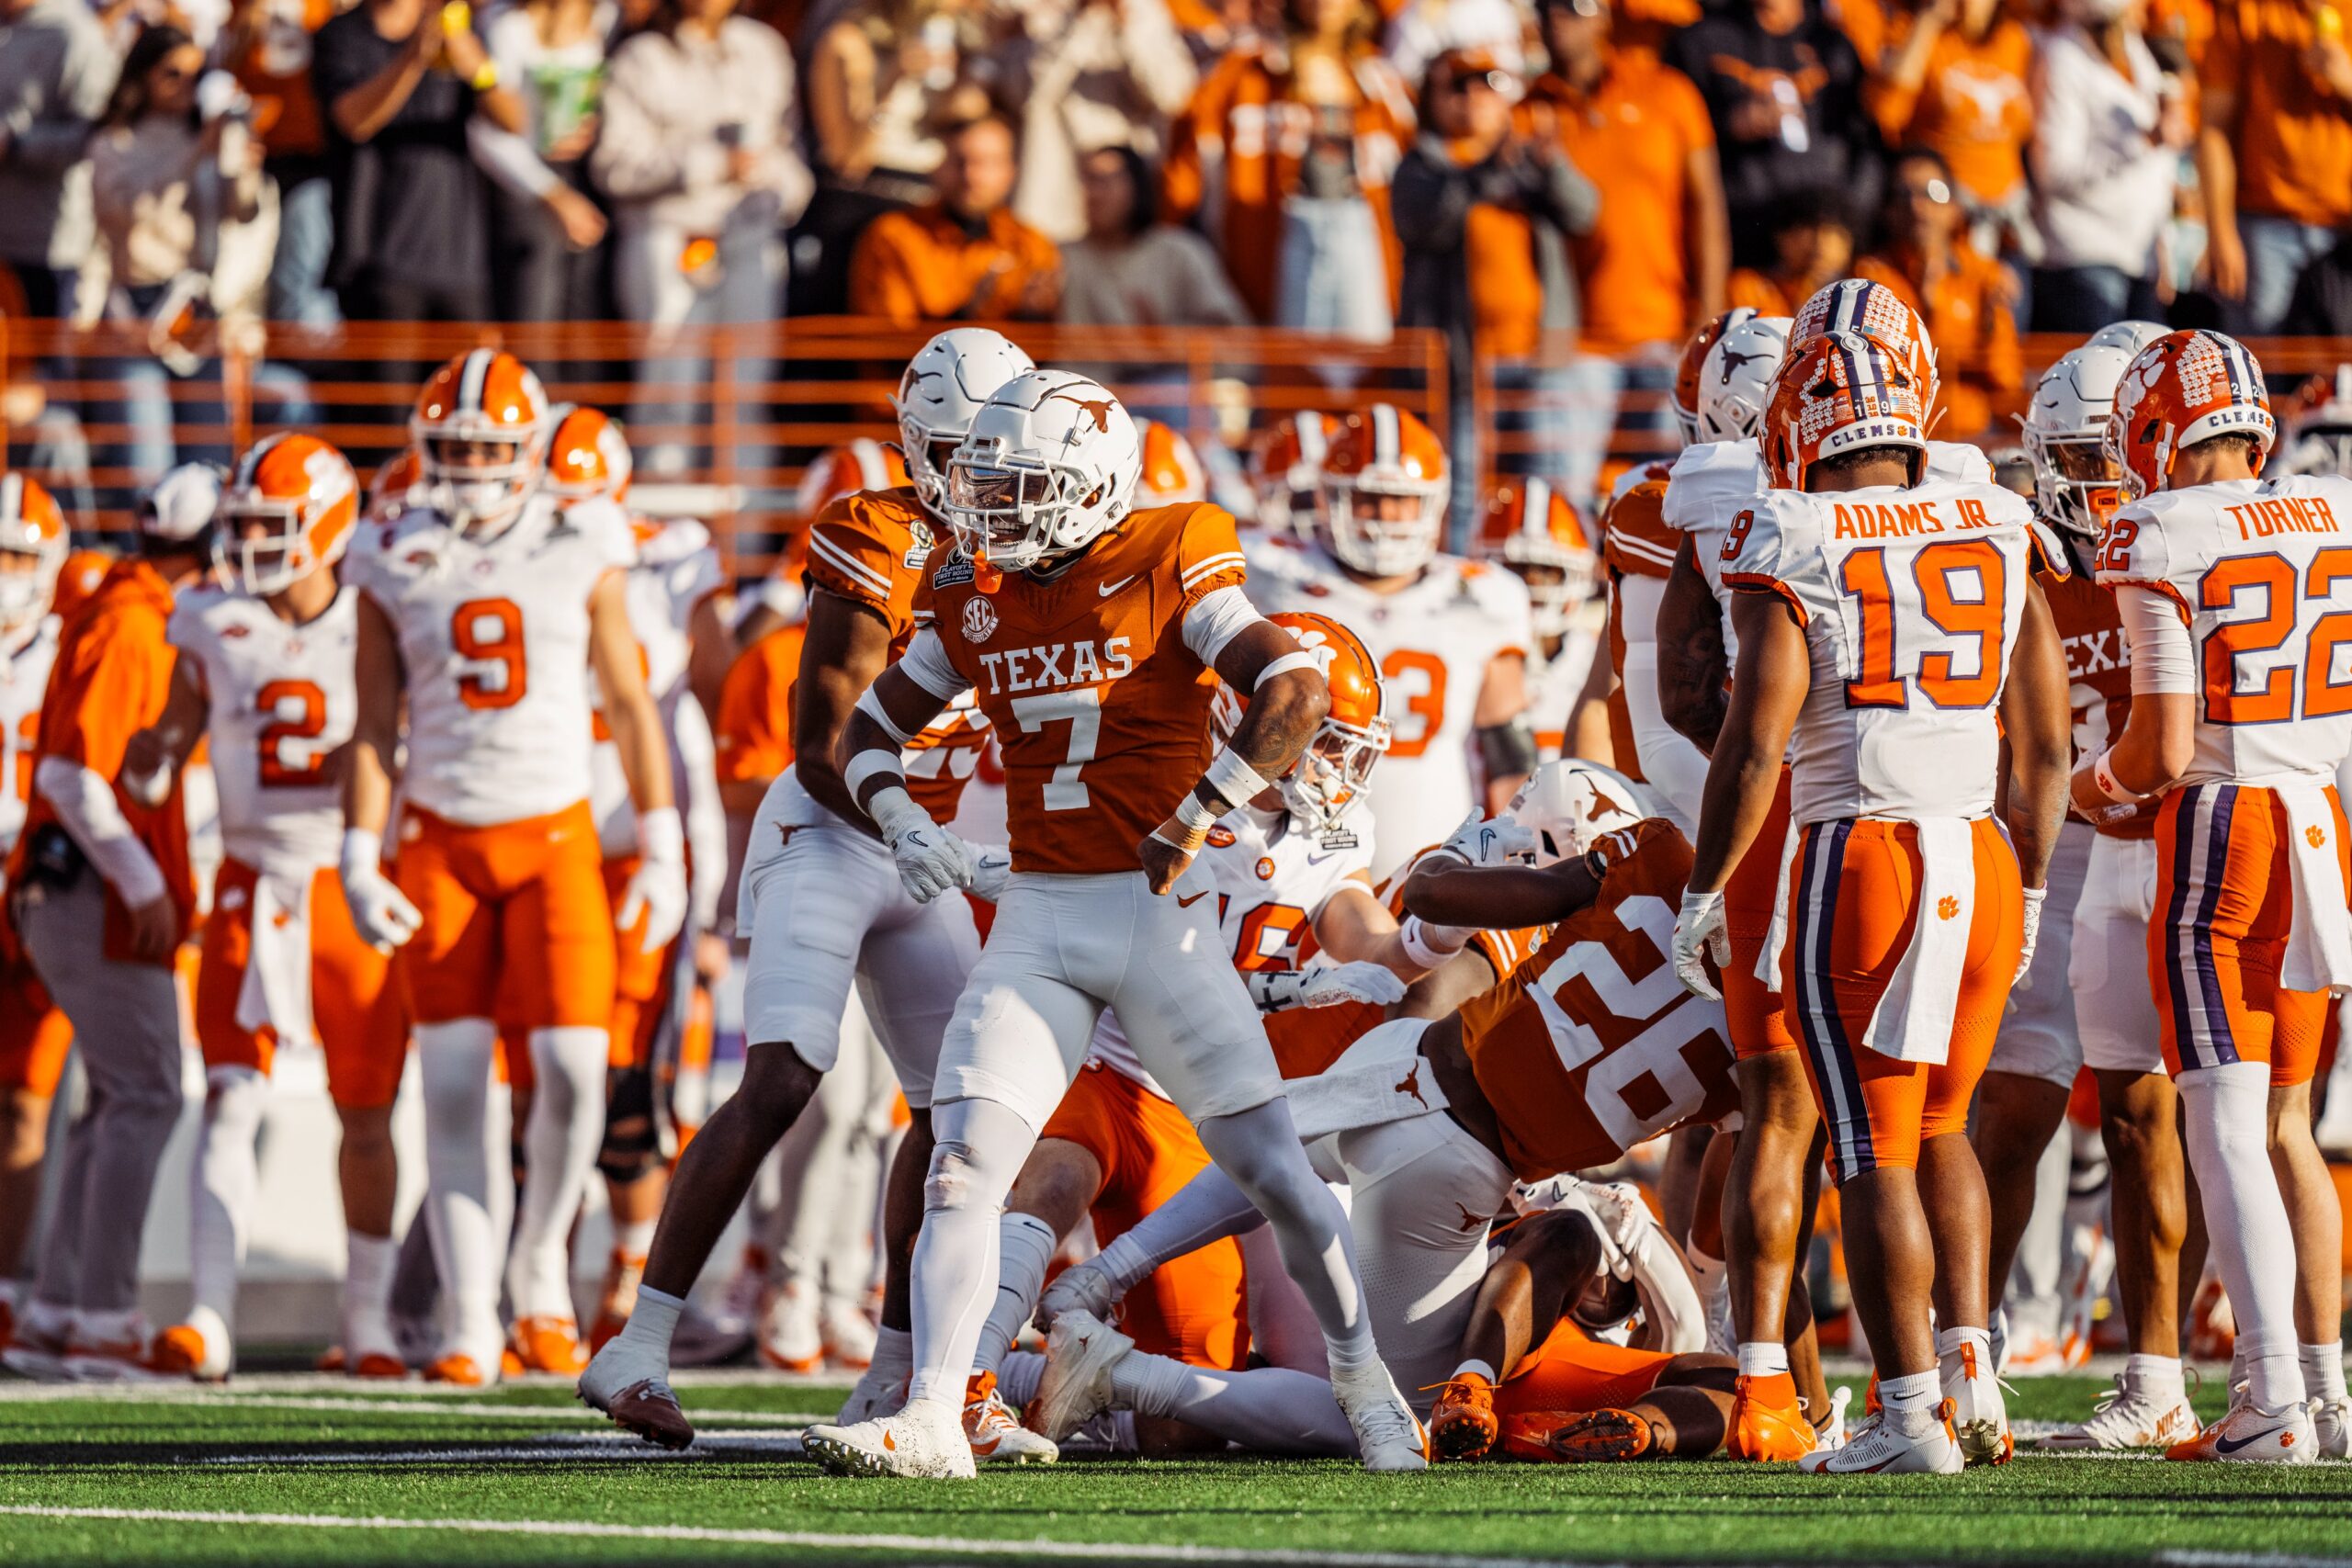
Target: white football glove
point(1328, 985)
point(991, 869)
point(931, 860)
point(2033, 900)
point(657, 890)
point(1486, 841)
point(379, 911)
point(1700, 935)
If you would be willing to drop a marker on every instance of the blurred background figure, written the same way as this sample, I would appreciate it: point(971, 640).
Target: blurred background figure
point(964, 256)
point(1131, 269)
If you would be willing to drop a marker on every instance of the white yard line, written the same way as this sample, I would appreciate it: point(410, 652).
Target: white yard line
point(556, 1445)
point(952, 1546)
point(392, 1403)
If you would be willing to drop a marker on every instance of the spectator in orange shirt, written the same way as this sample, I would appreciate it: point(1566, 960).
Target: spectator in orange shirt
point(1813, 244)
point(1962, 294)
point(1653, 265)
point(963, 257)
point(1954, 76)
point(2274, 158)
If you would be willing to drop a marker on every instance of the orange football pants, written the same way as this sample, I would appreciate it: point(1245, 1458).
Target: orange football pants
point(2224, 908)
point(353, 1004)
point(1757, 1023)
point(1194, 1309)
point(1852, 911)
point(517, 926)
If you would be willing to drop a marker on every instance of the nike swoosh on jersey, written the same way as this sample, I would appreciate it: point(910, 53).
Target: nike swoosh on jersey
point(1106, 588)
point(1188, 903)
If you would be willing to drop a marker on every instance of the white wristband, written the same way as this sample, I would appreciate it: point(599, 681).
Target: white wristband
point(363, 850)
point(1194, 814)
point(870, 763)
point(2103, 775)
point(1235, 781)
point(1430, 945)
point(661, 835)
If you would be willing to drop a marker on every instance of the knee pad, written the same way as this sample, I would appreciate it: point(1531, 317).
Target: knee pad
point(952, 1179)
point(633, 1132)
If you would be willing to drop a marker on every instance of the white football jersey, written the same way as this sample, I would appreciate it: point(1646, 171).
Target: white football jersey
point(1911, 601)
point(1271, 881)
point(1433, 640)
point(493, 637)
point(2262, 574)
point(678, 568)
point(24, 675)
point(1554, 684)
point(281, 699)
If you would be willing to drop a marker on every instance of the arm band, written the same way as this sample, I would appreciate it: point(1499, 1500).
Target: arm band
point(869, 764)
point(1234, 780)
point(1429, 945)
point(926, 663)
point(2103, 775)
point(1508, 748)
point(1301, 659)
point(871, 706)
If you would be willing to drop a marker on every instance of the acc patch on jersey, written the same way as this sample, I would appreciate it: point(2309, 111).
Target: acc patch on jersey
point(980, 620)
point(1221, 837)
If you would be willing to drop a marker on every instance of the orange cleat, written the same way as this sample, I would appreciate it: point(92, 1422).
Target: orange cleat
point(380, 1366)
point(330, 1359)
point(1527, 1434)
point(179, 1352)
point(1463, 1425)
point(1604, 1437)
point(458, 1370)
point(547, 1345)
point(1768, 1423)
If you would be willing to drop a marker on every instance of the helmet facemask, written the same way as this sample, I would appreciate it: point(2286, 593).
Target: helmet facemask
point(2078, 485)
point(479, 475)
point(1383, 526)
point(27, 583)
point(1333, 770)
point(1014, 512)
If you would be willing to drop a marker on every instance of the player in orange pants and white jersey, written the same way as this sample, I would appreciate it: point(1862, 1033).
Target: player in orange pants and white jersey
point(265, 672)
point(486, 604)
point(1890, 625)
point(2238, 724)
point(1452, 635)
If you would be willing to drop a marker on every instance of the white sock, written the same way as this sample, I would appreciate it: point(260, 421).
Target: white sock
point(1762, 1358)
point(228, 1174)
point(1018, 1377)
point(980, 1148)
point(634, 1238)
point(1207, 1208)
point(559, 1152)
point(2226, 1127)
point(641, 1350)
point(894, 1355)
point(1710, 1273)
point(469, 1192)
point(1918, 1391)
point(2323, 1370)
point(1124, 1263)
point(368, 1265)
point(2158, 1376)
point(1024, 1246)
point(1949, 1342)
point(1266, 1409)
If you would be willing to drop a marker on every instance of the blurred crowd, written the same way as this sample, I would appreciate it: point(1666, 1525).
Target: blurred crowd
point(1528, 175)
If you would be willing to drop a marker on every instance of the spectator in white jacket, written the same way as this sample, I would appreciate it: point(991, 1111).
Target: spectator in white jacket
point(2110, 127)
point(699, 154)
point(546, 232)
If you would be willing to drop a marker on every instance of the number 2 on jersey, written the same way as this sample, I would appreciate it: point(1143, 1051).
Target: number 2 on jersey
point(488, 634)
point(2273, 702)
point(1081, 709)
point(1947, 575)
point(299, 713)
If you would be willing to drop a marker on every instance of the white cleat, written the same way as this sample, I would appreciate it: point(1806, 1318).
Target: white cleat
point(789, 1337)
point(2332, 1427)
point(1831, 1434)
point(1081, 1287)
point(925, 1441)
point(1894, 1442)
point(1080, 1354)
point(873, 1392)
point(1980, 1417)
point(2248, 1435)
point(996, 1434)
point(2126, 1417)
point(1388, 1435)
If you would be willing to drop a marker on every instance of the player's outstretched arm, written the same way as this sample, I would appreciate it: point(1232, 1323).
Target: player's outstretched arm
point(1443, 891)
point(846, 646)
point(152, 758)
point(1506, 740)
point(2159, 738)
point(1691, 658)
point(2037, 721)
point(1287, 700)
point(384, 917)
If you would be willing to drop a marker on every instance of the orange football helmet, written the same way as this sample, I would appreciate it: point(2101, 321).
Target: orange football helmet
point(480, 427)
point(389, 490)
point(80, 577)
point(1286, 470)
point(1841, 392)
point(1385, 484)
point(588, 457)
point(287, 510)
point(1337, 764)
point(1684, 398)
point(1530, 527)
point(2183, 389)
point(33, 536)
point(1172, 471)
point(852, 466)
point(1857, 305)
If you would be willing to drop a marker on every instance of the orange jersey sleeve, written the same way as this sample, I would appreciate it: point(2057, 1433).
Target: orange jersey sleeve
point(1634, 537)
point(1592, 1045)
point(869, 547)
point(753, 734)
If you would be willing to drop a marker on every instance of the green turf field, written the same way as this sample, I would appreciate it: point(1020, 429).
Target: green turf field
point(264, 1471)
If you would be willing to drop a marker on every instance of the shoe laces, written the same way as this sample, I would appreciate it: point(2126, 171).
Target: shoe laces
point(1386, 1418)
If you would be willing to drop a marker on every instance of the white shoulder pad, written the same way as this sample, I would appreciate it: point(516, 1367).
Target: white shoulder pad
point(1959, 463)
point(1710, 482)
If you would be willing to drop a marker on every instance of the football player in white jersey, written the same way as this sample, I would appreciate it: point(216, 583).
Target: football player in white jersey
point(485, 606)
point(265, 672)
point(1889, 625)
point(825, 907)
point(1452, 635)
point(1531, 530)
point(2235, 592)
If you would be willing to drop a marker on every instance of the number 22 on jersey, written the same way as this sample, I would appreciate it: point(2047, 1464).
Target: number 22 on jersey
point(2235, 580)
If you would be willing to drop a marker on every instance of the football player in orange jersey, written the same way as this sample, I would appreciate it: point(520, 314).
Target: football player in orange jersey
point(1086, 634)
point(1531, 529)
point(486, 605)
point(824, 906)
point(267, 673)
point(34, 1036)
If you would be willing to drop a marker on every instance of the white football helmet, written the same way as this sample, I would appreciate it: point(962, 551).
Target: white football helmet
point(944, 386)
point(1736, 381)
point(2075, 483)
point(1571, 805)
point(2129, 336)
point(1049, 467)
point(2319, 428)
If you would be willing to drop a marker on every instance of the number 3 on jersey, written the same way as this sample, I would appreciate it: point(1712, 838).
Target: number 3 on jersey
point(488, 635)
point(1418, 687)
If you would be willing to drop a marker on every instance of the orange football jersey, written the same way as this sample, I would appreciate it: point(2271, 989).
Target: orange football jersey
point(753, 731)
point(1592, 1045)
point(1099, 709)
point(870, 548)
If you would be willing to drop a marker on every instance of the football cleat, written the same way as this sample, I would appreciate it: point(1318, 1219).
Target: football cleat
point(1602, 1437)
point(2248, 1435)
point(116, 1347)
point(458, 1370)
point(2127, 1417)
point(1980, 1416)
point(1081, 1287)
point(648, 1407)
point(1080, 1354)
point(380, 1366)
point(1387, 1436)
point(1894, 1442)
point(925, 1441)
point(2332, 1427)
point(995, 1433)
point(790, 1340)
point(1461, 1426)
point(1768, 1421)
point(547, 1345)
point(189, 1351)
point(848, 1335)
point(37, 1349)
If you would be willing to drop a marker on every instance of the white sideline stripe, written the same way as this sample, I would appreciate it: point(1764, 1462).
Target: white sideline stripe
point(951, 1546)
point(411, 1406)
point(2186, 1558)
point(561, 1445)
